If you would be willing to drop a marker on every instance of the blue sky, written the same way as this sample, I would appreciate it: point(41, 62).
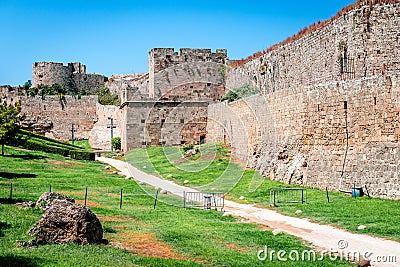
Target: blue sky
point(112, 37)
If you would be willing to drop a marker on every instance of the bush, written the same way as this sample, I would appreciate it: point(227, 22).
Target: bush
point(116, 143)
point(82, 155)
point(240, 92)
point(186, 148)
point(33, 144)
point(32, 141)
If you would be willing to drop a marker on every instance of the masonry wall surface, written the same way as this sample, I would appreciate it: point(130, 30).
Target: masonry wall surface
point(361, 43)
point(100, 135)
point(73, 76)
point(333, 135)
point(155, 123)
point(60, 114)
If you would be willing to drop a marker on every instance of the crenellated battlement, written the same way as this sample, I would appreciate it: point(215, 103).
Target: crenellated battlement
point(162, 58)
point(73, 75)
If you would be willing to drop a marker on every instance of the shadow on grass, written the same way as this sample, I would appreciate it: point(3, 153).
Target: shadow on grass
point(11, 175)
point(5, 200)
point(26, 157)
point(3, 226)
point(13, 260)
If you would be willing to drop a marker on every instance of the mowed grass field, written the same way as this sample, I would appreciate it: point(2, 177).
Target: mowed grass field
point(214, 168)
point(139, 235)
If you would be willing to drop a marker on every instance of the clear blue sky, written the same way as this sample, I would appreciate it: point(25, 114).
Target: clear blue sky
point(113, 37)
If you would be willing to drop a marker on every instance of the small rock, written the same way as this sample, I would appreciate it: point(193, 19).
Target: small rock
point(26, 205)
point(361, 227)
point(163, 192)
point(22, 243)
point(107, 167)
point(213, 189)
point(186, 182)
point(129, 178)
point(241, 197)
point(115, 172)
point(277, 231)
point(141, 183)
point(299, 212)
point(363, 262)
point(169, 176)
point(144, 167)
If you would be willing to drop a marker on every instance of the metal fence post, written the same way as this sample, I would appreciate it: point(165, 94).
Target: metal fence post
point(184, 199)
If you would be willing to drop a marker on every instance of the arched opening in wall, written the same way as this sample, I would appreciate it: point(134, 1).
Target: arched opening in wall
point(345, 104)
point(375, 100)
point(202, 139)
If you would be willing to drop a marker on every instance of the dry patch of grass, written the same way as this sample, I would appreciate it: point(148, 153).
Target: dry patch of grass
point(237, 248)
point(116, 219)
point(78, 193)
point(91, 204)
point(63, 163)
point(145, 244)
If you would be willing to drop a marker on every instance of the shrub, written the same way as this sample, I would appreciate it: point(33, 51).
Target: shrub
point(240, 92)
point(186, 148)
point(82, 155)
point(116, 143)
point(33, 144)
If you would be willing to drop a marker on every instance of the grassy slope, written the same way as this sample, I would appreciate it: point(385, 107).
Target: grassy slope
point(379, 215)
point(191, 236)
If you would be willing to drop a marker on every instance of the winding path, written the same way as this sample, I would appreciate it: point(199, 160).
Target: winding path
point(326, 238)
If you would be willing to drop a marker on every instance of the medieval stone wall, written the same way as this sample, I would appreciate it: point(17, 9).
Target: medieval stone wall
point(168, 69)
point(361, 43)
point(73, 76)
point(136, 82)
point(155, 123)
point(60, 114)
point(100, 135)
point(333, 135)
point(193, 75)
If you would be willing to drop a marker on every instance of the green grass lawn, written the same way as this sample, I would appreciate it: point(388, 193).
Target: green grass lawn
point(166, 236)
point(214, 168)
point(82, 143)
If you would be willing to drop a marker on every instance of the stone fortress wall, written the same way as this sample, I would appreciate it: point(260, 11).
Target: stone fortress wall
point(73, 76)
point(53, 117)
point(322, 121)
point(360, 43)
point(170, 106)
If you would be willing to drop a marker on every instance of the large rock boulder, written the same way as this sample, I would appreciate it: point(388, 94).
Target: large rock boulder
point(65, 221)
point(46, 199)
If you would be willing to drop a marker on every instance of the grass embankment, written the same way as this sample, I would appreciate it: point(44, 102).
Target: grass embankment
point(213, 168)
point(165, 236)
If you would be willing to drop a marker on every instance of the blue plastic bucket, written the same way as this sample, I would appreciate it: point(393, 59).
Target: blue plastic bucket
point(357, 192)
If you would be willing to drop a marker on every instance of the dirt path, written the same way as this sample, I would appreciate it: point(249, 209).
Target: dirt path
point(382, 252)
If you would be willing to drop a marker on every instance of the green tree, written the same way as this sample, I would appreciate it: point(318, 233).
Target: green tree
point(116, 143)
point(9, 118)
point(26, 86)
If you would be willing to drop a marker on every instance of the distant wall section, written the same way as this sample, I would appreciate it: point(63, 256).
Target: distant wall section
point(73, 76)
